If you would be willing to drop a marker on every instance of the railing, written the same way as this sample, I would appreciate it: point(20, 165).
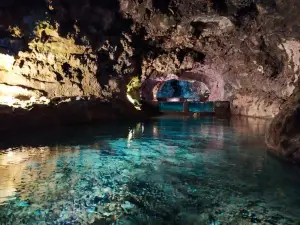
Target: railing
point(194, 107)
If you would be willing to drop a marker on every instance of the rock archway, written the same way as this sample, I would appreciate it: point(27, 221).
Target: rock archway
point(201, 74)
point(210, 77)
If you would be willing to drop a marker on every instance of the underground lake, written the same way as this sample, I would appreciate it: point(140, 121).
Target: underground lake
point(149, 112)
point(164, 170)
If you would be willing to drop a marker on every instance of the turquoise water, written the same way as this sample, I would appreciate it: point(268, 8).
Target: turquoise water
point(161, 171)
point(192, 107)
point(171, 106)
point(201, 107)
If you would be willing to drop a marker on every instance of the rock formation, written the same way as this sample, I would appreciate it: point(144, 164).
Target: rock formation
point(283, 136)
point(58, 51)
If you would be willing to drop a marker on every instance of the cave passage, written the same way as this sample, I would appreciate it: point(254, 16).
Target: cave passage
point(187, 96)
point(182, 90)
point(176, 89)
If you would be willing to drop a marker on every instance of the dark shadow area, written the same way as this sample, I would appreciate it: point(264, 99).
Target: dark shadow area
point(196, 55)
point(163, 6)
point(66, 27)
point(26, 4)
point(272, 63)
point(271, 4)
point(14, 13)
point(66, 69)
point(67, 135)
point(198, 28)
point(245, 15)
point(220, 6)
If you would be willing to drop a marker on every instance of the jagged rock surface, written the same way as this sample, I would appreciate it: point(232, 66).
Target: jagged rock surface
point(283, 136)
point(247, 52)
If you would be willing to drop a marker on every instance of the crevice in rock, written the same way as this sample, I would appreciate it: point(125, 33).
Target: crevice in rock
point(80, 86)
point(79, 74)
point(38, 80)
point(59, 77)
point(147, 13)
point(273, 64)
point(66, 67)
point(44, 37)
point(27, 88)
point(21, 64)
point(198, 28)
point(246, 14)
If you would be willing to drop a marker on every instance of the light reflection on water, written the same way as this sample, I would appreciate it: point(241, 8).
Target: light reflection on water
point(165, 171)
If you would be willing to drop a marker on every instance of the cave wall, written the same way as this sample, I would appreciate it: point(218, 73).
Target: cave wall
point(246, 52)
point(242, 50)
point(62, 49)
point(283, 135)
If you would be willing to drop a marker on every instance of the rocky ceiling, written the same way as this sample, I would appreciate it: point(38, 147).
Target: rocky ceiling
point(246, 51)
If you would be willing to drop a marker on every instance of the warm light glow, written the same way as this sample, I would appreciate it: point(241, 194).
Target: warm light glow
point(155, 131)
point(134, 102)
point(17, 103)
point(7, 100)
point(130, 135)
point(15, 163)
point(132, 92)
point(6, 62)
point(173, 99)
point(10, 154)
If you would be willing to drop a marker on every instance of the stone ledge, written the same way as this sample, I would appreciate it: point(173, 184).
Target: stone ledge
point(14, 120)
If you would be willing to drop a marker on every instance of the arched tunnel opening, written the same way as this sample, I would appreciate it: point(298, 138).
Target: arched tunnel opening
point(180, 90)
point(177, 95)
point(200, 90)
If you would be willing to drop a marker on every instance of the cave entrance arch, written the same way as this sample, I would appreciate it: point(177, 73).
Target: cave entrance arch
point(181, 90)
point(208, 76)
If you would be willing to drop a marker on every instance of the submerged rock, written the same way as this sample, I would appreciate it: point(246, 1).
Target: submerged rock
point(127, 205)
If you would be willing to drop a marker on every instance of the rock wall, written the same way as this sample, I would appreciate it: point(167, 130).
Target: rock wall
point(246, 52)
point(283, 136)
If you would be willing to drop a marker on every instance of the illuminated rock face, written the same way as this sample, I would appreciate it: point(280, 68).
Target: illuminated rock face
point(244, 52)
point(6, 62)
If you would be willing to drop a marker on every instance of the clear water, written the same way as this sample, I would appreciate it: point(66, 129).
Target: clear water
point(162, 171)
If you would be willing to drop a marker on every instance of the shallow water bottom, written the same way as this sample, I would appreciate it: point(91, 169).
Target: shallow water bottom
point(161, 171)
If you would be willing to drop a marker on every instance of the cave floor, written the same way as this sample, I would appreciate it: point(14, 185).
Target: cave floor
point(166, 170)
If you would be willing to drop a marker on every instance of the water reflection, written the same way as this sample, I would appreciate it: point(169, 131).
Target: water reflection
point(22, 166)
point(163, 171)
